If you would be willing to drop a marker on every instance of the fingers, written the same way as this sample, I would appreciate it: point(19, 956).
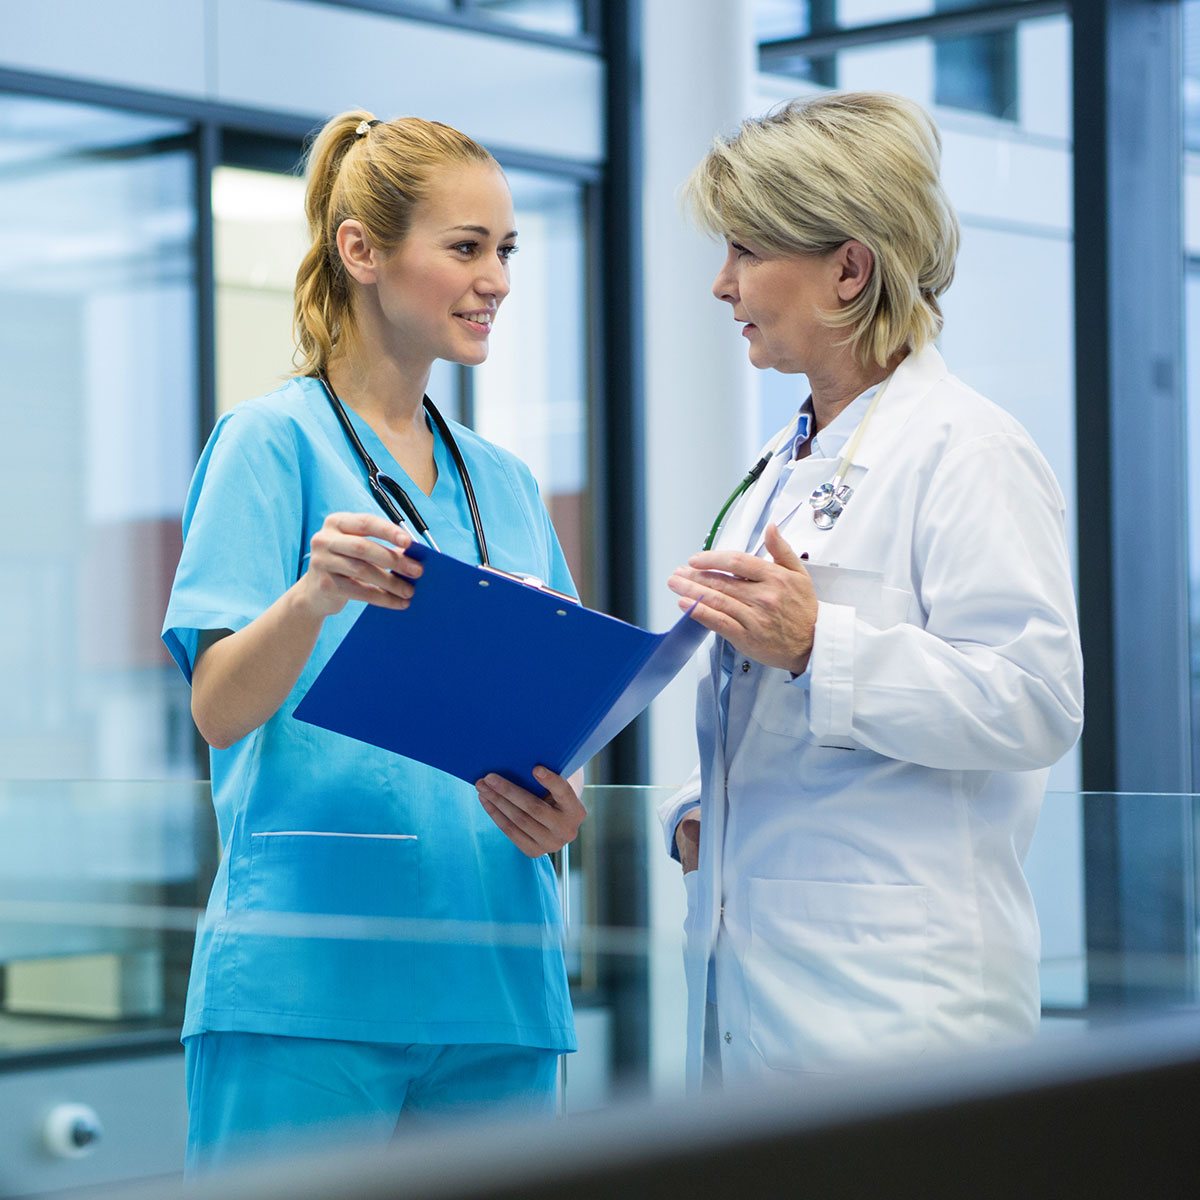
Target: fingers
point(358, 536)
point(535, 825)
point(715, 599)
point(360, 579)
point(714, 583)
point(687, 840)
point(369, 525)
point(360, 556)
point(766, 609)
point(780, 549)
point(732, 563)
point(719, 623)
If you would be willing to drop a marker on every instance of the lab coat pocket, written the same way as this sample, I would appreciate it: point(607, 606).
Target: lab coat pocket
point(781, 706)
point(836, 972)
point(335, 906)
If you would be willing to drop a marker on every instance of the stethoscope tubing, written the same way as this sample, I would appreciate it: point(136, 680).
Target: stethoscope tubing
point(828, 501)
point(392, 502)
point(747, 483)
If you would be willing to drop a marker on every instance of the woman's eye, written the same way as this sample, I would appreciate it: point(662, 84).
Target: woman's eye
point(506, 252)
point(741, 250)
point(467, 248)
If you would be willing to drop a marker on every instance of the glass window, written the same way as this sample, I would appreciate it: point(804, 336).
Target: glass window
point(1191, 208)
point(775, 20)
point(563, 17)
point(97, 333)
point(259, 237)
point(531, 394)
point(1191, 76)
point(977, 72)
point(972, 71)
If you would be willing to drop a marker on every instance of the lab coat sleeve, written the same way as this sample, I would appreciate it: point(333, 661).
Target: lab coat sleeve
point(993, 678)
point(671, 810)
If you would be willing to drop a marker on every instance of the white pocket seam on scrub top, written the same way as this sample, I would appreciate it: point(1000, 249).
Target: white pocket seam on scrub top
point(396, 837)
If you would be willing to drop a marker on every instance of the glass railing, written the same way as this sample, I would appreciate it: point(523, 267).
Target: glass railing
point(102, 885)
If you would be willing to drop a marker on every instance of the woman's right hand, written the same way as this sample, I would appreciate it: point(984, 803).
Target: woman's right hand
point(240, 679)
point(358, 556)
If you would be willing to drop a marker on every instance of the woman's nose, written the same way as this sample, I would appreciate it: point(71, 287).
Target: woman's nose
point(724, 287)
point(495, 281)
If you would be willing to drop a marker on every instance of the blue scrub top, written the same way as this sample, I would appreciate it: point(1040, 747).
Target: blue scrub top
point(360, 895)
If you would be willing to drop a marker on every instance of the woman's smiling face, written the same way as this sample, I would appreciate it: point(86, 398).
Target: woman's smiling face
point(439, 290)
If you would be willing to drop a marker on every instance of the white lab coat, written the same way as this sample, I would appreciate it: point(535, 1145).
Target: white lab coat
point(860, 893)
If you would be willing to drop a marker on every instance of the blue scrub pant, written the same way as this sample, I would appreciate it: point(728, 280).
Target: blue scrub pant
point(253, 1094)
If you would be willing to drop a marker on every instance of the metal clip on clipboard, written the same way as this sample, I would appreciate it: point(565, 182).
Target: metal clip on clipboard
point(530, 581)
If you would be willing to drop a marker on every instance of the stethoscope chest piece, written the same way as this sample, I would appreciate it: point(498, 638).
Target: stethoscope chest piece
point(828, 501)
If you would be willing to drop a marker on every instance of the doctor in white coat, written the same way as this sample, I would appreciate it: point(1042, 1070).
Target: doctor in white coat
point(896, 661)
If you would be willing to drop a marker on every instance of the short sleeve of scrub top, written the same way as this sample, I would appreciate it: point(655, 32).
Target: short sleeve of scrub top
point(242, 526)
point(312, 822)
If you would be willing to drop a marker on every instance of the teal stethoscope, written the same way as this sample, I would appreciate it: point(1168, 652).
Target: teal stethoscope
point(828, 501)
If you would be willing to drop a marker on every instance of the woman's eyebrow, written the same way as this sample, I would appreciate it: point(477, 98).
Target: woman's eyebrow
point(482, 230)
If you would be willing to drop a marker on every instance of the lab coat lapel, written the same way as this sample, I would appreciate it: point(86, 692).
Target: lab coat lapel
point(709, 870)
point(912, 381)
point(739, 527)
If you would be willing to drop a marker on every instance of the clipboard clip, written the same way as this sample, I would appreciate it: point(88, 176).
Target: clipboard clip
point(530, 581)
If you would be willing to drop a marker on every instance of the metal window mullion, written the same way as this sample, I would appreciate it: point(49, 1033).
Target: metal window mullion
point(208, 157)
point(989, 18)
point(624, 902)
point(1132, 503)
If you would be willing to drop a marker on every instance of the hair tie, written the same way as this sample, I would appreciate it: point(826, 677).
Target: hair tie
point(364, 127)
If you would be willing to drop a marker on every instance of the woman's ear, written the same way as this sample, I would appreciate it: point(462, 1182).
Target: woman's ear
point(855, 264)
point(357, 253)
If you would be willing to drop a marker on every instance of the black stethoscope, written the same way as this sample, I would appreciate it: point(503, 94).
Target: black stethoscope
point(829, 500)
point(397, 504)
point(389, 495)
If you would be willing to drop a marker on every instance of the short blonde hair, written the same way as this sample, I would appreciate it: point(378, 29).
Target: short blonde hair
point(817, 172)
point(375, 172)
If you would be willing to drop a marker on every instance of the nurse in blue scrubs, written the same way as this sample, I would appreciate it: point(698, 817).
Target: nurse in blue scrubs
point(382, 940)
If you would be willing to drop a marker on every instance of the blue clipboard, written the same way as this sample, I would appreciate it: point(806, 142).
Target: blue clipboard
point(484, 673)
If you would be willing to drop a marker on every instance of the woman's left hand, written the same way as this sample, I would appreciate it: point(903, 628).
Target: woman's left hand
point(536, 825)
point(765, 609)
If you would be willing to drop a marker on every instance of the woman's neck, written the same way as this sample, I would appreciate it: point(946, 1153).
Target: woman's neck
point(386, 392)
point(836, 390)
point(383, 391)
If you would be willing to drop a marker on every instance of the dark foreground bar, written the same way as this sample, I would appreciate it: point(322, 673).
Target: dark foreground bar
point(1111, 1112)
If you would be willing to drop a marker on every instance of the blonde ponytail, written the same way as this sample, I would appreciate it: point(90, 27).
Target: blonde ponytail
point(374, 172)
